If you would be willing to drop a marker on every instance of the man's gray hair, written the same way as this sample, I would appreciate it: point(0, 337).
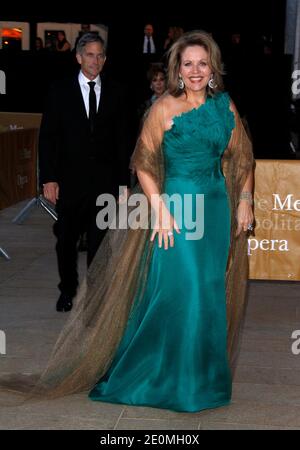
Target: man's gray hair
point(86, 38)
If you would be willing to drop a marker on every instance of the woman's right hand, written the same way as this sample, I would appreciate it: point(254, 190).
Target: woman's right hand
point(164, 227)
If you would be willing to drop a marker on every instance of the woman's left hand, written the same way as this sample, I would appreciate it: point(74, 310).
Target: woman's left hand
point(245, 216)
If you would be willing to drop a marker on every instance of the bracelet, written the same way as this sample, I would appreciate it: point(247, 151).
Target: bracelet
point(247, 196)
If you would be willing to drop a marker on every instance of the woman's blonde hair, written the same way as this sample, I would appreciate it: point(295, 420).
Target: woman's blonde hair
point(205, 40)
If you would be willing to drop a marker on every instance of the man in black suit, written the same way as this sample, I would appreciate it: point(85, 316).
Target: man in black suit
point(84, 149)
point(149, 46)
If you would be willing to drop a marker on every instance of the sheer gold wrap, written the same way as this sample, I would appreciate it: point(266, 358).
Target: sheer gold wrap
point(117, 276)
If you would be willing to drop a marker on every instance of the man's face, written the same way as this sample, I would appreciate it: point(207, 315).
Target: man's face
point(92, 59)
point(148, 30)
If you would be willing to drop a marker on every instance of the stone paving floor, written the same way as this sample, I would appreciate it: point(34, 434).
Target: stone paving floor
point(266, 390)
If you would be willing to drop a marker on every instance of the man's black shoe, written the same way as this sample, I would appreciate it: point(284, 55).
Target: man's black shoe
point(64, 303)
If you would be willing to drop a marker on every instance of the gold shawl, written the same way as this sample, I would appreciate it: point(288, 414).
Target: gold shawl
point(117, 276)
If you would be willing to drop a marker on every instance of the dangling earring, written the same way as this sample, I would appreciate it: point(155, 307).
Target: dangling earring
point(211, 83)
point(180, 82)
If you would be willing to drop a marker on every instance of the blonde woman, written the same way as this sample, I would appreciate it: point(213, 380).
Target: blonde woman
point(174, 353)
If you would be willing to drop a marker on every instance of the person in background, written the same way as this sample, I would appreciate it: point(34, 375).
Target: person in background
point(174, 33)
point(39, 46)
point(149, 45)
point(50, 44)
point(156, 76)
point(62, 45)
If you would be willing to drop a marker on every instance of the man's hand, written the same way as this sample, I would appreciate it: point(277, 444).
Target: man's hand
point(51, 192)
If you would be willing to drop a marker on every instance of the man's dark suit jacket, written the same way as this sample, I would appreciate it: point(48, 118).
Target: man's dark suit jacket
point(80, 162)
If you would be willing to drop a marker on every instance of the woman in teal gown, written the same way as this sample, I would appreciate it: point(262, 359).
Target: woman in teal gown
point(173, 353)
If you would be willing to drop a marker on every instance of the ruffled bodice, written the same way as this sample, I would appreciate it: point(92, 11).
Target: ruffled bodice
point(195, 143)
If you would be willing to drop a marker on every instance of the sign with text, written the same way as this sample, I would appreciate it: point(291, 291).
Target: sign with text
point(274, 250)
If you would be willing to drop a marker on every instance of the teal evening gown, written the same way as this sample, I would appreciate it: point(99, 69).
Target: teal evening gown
point(173, 353)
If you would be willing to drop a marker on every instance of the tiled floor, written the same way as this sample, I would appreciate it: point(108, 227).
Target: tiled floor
point(266, 391)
